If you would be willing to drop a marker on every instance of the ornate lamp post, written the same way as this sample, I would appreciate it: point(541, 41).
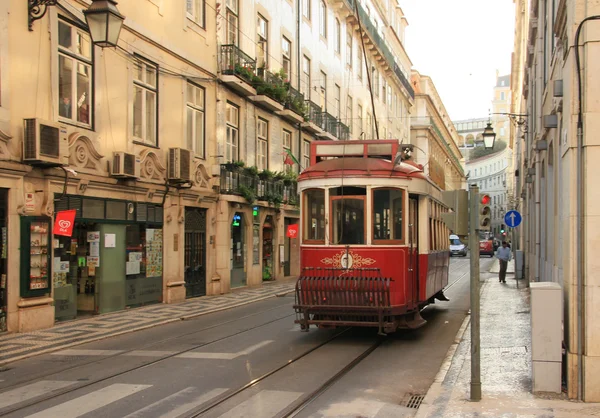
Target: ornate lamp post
point(489, 136)
point(105, 21)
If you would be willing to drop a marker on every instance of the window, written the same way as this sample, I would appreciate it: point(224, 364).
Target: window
point(348, 219)
point(359, 64)
point(306, 8)
point(195, 119)
point(314, 215)
point(145, 105)
point(195, 11)
point(383, 90)
point(286, 60)
point(305, 87)
point(359, 118)
point(305, 153)
point(287, 146)
point(387, 215)
point(338, 101)
point(375, 82)
point(389, 100)
point(349, 113)
point(323, 19)
point(369, 131)
point(349, 49)
point(232, 137)
point(262, 28)
point(233, 22)
point(338, 36)
point(74, 74)
point(323, 102)
point(262, 144)
point(502, 94)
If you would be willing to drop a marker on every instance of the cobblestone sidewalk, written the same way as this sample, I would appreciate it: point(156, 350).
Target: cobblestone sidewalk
point(19, 346)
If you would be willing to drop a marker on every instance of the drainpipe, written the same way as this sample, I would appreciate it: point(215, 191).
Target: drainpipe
point(538, 214)
point(580, 217)
point(298, 74)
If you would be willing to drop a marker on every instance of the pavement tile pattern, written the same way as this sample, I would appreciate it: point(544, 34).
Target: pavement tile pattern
point(18, 346)
point(505, 365)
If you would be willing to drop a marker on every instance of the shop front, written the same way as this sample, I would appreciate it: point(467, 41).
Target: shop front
point(113, 260)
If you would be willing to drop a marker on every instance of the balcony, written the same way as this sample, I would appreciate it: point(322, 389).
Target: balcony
point(247, 182)
point(329, 124)
point(378, 42)
point(271, 90)
point(237, 70)
point(313, 121)
point(295, 110)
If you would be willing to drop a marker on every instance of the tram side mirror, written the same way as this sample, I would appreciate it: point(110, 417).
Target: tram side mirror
point(457, 218)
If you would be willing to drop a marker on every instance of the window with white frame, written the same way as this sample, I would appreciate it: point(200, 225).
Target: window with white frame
point(232, 116)
point(323, 91)
point(369, 131)
point(195, 119)
point(383, 90)
point(359, 118)
point(338, 101)
point(323, 19)
point(75, 69)
point(349, 49)
point(145, 103)
point(287, 146)
point(232, 22)
point(338, 36)
point(286, 58)
point(349, 113)
point(262, 144)
point(389, 100)
point(305, 153)
point(195, 11)
point(359, 64)
point(306, 8)
point(305, 87)
point(375, 82)
point(262, 42)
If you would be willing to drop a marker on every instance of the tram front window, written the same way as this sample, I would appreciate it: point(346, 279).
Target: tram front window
point(348, 221)
point(314, 215)
point(387, 214)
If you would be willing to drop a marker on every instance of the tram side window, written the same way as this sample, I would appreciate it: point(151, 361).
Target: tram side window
point(348, 221)
point(387, 215)
point(314, 215)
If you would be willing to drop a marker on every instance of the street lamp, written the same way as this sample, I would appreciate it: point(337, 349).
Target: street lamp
point(489, 136)
point(105, 21)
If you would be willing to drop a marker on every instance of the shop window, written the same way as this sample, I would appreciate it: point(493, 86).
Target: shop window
point(387, 215)
point(93, 209)
point(115, 209)
point(314, 215)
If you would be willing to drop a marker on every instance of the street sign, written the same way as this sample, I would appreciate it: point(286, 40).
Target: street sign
point(513, 218)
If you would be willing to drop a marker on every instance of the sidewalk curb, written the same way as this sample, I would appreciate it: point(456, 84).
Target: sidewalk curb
point(141, 328)
point(433, 390)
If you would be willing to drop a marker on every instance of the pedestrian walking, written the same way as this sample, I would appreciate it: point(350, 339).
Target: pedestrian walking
point(504, 255)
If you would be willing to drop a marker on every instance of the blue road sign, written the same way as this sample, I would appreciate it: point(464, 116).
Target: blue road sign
point(513, 218)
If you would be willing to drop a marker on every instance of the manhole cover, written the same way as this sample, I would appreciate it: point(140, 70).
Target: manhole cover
point(414, 401)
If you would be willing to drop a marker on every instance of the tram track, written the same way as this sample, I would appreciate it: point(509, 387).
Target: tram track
point(66, 391)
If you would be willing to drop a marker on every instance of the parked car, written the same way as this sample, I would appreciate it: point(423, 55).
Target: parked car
point(486, 247)
point(457, 247)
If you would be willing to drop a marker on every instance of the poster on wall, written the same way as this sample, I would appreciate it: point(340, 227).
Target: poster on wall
point(154, 252)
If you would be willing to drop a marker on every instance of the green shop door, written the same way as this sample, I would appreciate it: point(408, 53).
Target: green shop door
point(110, 292)
point(195, 252)
point(238, 265)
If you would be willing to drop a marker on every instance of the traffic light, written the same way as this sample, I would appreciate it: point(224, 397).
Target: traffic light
point(485, 220)
point(457, 220)
point(502, 228)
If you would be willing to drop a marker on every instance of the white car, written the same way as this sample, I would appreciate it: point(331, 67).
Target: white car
point(457, 247)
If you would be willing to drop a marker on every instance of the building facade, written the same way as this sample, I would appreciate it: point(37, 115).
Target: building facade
point(557, 184)
point(178, 149)
point(434, 137)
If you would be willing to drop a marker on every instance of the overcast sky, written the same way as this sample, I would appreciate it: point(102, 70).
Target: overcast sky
point(460, 44)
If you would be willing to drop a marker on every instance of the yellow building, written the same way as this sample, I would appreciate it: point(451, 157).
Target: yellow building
point(556, 182)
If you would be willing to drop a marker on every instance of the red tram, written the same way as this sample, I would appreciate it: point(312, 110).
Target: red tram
point(374, 248)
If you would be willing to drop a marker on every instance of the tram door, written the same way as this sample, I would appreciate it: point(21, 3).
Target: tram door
point(413, 240)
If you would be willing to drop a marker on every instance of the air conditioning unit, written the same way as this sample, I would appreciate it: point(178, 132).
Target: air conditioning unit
point(180, 163)
point(125, 165)
point(45, 143)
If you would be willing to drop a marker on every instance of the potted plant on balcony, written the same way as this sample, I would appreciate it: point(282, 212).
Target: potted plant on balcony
point(251, 171)
point(266, 175)
point(245, 71)
point(247, 193)
point(289, 178)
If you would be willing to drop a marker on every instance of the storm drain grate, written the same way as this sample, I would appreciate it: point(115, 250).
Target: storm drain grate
point(414, 401)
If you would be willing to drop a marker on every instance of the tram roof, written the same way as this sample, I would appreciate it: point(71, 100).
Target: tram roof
point(362, 167)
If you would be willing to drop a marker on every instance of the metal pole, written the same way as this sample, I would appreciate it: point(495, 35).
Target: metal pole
point(475, 315)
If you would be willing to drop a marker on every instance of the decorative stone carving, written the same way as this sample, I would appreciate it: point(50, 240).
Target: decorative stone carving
point(200, 176)
point(83, 152)
point(4, 152)
point(151, 168)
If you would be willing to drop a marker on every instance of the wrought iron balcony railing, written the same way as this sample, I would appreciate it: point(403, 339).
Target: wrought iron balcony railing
point(295, 101)
point(329, 124)
point(234, 61)
point(315, 113)
point(235, 180)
